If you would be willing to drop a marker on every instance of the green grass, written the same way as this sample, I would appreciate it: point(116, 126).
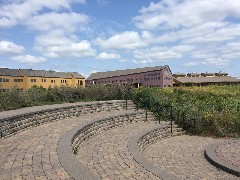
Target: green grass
point(216, 109)
point(36, 96)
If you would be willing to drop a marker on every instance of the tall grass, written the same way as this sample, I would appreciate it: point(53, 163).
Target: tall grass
point(216, 109)
point(16, 98)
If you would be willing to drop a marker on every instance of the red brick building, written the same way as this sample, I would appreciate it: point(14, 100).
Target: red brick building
point(159, 76)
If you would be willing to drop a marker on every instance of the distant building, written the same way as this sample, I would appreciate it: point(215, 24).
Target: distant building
point(159, 76)
point(26, 78)
point(204, 79)
point(10, 78)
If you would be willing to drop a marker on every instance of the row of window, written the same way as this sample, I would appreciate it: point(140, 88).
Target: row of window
point(152, 79)
point(7, 80)
point(18, 80)
point(34, 80)
point(153, 74)
point(63, 81)
point(4, 80)
point(128, 80)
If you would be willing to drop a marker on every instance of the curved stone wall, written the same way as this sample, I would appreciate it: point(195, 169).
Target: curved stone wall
point(79, 134)
point(20, 119)
point(225, 155)
point(140, 141)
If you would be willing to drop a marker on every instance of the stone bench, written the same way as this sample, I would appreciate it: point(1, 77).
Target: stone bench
point(71, 140)
point(144, 138)
point(15, 120)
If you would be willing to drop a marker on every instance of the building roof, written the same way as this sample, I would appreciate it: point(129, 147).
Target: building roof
point(100, 75)
point(203, 79)
point(45, 74)
point(179, 74)
point(221, 74)
point(193, 74)
point(207, 74)
point(76, 75)
point(10, 72)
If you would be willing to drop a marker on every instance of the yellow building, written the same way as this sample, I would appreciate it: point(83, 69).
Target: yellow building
point(77, 79)
point(10, 78)
point(26, 78)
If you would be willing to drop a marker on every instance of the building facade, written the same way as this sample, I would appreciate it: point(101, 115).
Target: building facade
point(204, 79)
point(26, 78)
point(159, 76)
point(11, 78)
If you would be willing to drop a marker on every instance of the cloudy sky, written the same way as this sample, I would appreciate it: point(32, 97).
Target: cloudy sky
point(101, 35)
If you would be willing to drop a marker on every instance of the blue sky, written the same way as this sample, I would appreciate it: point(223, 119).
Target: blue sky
point(101, 35)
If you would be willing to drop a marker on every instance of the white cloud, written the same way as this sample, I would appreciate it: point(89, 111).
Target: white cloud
point(156, 54)
point(231, 50)
point(186, 13)
point(28, 59)
point(211, 62)
point(183, 48)
point(216, 62)
point(18, 12)
point(127, 40)
point(203, 54)
point(56, 44)
point(192, 64)
point(123, 60)
point(65, 21)
point(105, 55)
point(8, 48)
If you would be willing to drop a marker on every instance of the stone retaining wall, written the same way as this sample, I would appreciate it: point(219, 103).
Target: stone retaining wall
point(16, 120)
point(140, 141)
point(153, 136)
point(95, 127)
point(73, 139)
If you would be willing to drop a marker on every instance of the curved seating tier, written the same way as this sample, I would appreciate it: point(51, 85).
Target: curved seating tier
point(20, 119)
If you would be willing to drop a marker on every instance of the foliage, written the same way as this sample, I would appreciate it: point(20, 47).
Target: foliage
point(16, 98)
point(212, 110)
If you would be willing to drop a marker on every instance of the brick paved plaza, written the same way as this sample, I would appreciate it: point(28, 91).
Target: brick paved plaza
point(33, 153)
point(183, 156)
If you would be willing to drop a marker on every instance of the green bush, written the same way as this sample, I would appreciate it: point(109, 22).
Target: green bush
point(16, 98)
point(216, 109)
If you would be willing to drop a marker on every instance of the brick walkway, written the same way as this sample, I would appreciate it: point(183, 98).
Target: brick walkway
point(230, 153)
point(32, 154)
point(183, 156)
point(107, 154)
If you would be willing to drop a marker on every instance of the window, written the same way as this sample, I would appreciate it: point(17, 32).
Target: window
point(80, 82)
point(43, 80)
point(65, 81)
point(52, 81)
point(18, 80)
point(5, 80)
point(33, 80)
point(0, 79)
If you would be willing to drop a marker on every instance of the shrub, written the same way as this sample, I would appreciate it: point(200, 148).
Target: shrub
point(214, 108)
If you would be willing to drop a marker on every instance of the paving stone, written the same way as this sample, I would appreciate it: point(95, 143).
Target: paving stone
point(108, 151)
point(183, 156)
point(32, 154)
